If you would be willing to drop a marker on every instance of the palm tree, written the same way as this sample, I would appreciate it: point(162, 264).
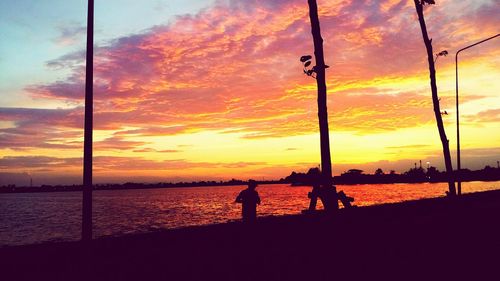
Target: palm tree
point(319, 70)
point(87, 141)
point(435, 99)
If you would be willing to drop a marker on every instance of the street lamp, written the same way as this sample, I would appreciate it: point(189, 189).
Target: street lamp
point(459, 183)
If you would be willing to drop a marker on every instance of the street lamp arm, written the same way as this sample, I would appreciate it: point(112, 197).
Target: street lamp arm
point(477, 43)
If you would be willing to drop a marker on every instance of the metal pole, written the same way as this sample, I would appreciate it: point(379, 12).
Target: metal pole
point(459, 183)
point(87, 142)
point(457, 176)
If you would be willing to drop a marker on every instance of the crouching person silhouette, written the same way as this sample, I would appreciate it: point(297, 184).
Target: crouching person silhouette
point(249, 198)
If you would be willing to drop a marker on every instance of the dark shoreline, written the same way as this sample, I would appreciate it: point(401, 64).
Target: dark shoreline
point(427, 239)
point(125, 186)
point(130, 186)
point(350, 177)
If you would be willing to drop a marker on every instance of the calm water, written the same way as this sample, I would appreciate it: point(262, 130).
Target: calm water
point(36, 217)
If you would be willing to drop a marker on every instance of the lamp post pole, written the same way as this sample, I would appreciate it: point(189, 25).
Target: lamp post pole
point(459, 183)
point(87, 139)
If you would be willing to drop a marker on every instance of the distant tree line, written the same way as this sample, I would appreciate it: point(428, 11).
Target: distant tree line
point(128, 185)
point(413, 175)
point(352, 176)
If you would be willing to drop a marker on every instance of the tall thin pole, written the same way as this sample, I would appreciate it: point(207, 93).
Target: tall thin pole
point(87, 142)
point(459, 182)
point(458, 175)
point(326, 164)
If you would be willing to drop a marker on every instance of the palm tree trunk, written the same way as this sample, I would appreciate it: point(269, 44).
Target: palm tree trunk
point(87, 142)
point(326, 164)
point(435, 99)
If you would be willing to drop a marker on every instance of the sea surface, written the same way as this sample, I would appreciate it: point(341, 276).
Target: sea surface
point(28, 218)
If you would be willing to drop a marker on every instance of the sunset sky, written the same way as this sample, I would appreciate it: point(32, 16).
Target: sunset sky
point(213, 90)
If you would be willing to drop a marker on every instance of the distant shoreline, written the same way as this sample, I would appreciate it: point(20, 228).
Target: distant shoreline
point(414, 175)
point(350, 177)
point(134, 186)
point(125, 186)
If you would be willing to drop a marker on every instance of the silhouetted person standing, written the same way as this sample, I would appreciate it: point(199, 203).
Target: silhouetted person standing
point(249, 198)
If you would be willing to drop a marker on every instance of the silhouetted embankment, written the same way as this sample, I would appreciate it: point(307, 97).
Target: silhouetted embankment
point(128, 185)
point(413, 175)
point(352, 176)
point(431, 239)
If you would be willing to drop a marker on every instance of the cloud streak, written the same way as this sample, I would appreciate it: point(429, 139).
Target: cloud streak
point(233, 67)
point(113, 163)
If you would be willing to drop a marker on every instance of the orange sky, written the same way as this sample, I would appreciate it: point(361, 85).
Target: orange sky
point(220, 94)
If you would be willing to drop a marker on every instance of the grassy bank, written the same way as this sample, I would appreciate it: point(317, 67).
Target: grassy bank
point(418, 240)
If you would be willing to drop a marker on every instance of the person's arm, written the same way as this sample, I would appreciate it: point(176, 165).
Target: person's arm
point(258, 199)
point(239, 198)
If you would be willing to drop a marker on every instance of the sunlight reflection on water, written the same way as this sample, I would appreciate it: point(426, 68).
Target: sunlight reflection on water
point(27, 218)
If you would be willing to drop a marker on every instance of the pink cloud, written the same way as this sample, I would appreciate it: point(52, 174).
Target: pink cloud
point(492, 115)
point(112, 163)
point(41, 128)
point(229, 66)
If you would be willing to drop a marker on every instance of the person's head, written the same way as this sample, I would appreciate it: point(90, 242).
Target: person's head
point(252, 184)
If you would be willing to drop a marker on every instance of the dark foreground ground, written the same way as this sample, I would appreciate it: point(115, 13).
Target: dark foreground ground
point(435, 239)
